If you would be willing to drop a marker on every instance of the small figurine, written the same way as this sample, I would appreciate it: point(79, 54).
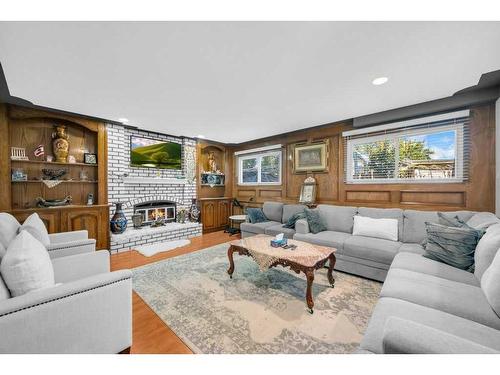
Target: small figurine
point(212, 164)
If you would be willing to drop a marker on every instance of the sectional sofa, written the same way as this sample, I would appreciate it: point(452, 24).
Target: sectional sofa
point(364, 256)
point(425, 306)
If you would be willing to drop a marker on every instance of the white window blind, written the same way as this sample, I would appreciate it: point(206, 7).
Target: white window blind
point(436, 151)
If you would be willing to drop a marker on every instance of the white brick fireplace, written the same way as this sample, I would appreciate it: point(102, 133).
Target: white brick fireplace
point(132, 186)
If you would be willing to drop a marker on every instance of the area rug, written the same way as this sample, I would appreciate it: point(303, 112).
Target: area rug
point(255, 312)
point(160, 247)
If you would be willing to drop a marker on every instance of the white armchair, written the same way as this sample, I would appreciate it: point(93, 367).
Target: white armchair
point(70, 243)
point(90, 312)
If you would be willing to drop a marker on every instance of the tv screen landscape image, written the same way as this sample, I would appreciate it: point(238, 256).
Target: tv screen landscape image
point(153, 153)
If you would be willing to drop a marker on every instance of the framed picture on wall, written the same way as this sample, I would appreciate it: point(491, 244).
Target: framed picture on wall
point(312, 157)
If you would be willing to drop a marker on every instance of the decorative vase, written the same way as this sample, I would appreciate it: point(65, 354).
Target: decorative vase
point(194, 211)
point(60, 144)
point(118, 222)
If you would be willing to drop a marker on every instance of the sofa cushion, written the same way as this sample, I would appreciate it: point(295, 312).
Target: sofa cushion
point(3, 250)
point(414, 248)
point(4, 291)
point(326, 238)
point(418, 263)
point(257, 228)
point(338, 218)
point(482, 220)
point(452, 245)
point(486, 250)
point(290, 209)
point(9, 226)
point(384, 213)
point(490, 283)
point(290, 223)
point(387, 307)
point(273, 211)
point(35, 226)
point(457, 298)
point(376, 249)
point(255, 215)
point(26, 266)
point(386, 229)
point(279, 228)
point(315, 222)
point(414, 223)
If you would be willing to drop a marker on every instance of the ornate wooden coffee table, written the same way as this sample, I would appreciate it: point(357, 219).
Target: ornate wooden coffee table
point(305, 258)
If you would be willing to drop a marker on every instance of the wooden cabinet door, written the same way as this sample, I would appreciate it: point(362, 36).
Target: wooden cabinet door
point(92, 220)
point(49, 218)
point(223, 213)
point(209, 215)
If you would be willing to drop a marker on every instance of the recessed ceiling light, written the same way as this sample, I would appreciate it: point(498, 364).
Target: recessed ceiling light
point(123, 119)
point(380, 81)
point(200, 136)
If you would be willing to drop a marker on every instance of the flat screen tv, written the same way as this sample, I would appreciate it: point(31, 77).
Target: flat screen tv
point(153, 153)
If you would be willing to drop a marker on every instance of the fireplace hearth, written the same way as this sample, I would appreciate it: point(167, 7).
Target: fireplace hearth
point(153, 210)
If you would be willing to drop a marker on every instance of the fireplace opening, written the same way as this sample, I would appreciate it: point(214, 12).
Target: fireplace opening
point(153, 210)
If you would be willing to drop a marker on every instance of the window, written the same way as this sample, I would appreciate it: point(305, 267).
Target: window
point(429, 154)
point(262, 168)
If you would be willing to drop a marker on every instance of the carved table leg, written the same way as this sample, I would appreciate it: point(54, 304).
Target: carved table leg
point(231, 261)
point(309, 299)
point(331, 264)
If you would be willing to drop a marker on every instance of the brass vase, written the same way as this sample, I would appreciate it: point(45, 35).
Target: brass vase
point(60, 144)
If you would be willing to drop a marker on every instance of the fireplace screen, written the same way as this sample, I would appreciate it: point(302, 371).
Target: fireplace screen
point(152, 211)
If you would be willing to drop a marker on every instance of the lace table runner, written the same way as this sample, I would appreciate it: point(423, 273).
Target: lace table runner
point(265, 255)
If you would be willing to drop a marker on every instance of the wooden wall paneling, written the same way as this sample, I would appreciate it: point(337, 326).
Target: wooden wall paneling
point(478, 193)
point(102, 162)
point(426, 198)
point(5, 170)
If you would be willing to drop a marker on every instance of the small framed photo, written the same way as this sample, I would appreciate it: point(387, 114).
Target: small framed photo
point(89, 158)
point(308, 191)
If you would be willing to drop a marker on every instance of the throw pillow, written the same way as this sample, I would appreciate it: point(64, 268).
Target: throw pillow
point(35, 226)
point(293, 219)
point(482, 220)
point(486, 250)
point(256, 215)
point(26, 266)
point(315, 222)
point(449, 221)
point(452, 245)
point(9, 227)
point(384, 228)
point(490, 284)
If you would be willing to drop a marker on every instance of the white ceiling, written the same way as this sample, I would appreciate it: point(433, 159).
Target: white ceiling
point(237, 81)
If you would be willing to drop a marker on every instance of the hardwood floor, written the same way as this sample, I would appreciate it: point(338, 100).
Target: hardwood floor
point(150, 335)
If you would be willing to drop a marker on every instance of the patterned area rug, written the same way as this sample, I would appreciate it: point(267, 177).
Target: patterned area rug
point(255, 312)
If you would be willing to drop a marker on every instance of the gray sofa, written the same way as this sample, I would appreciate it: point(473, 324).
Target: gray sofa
point(359, 255)
point(430, 307)
point(278, 214)
point(366, 256)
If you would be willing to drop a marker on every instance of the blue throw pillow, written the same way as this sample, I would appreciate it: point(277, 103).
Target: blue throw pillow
point(293, 219)
point(315, 222)
point(256, 215)
point(452, 245)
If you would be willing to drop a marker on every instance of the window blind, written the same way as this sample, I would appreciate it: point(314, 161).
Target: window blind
point(425, 151)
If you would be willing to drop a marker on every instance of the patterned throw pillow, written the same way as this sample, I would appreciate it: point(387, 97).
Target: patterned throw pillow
point(315, 222)
point(452, 245)
point(293, 219)
point(256, 215)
